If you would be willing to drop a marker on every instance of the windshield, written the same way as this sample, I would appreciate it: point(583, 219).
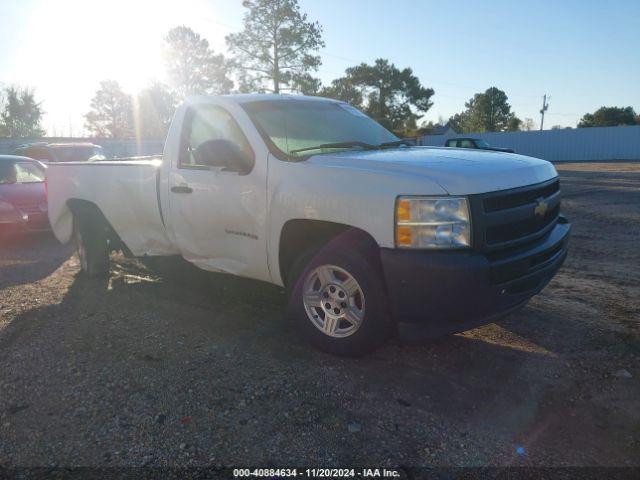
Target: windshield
point(295, 127)
point(481, 143)
point(78, 153)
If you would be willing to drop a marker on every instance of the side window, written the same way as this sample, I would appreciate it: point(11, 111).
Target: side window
point(466, 144)
point(212, 138)
point(451, 143)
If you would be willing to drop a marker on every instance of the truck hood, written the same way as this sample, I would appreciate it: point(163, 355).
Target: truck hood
point(458, 171)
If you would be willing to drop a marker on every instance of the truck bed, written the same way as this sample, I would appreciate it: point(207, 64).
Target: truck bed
point(127, 192)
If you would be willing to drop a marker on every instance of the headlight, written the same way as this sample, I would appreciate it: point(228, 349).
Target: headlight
point(432, 222)
point(6, 207)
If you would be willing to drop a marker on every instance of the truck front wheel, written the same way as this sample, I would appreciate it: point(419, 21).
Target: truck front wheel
point(92, 247)
point(339, 302)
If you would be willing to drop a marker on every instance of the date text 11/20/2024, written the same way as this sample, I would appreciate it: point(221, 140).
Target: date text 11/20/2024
point(316, 472)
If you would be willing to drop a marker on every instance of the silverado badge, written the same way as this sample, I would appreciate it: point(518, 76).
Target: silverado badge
point(541, 207)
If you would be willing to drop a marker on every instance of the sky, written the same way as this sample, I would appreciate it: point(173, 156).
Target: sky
point(583, 54)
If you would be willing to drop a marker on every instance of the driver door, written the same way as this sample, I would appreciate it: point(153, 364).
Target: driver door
point(217, 213)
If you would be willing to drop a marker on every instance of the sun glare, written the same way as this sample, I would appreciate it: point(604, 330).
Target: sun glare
point(71, 45)
point(118, 39)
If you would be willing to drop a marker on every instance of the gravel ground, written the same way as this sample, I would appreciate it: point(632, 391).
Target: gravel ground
point(166, 365)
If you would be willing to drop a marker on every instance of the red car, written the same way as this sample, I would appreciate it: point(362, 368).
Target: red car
point(23, 196)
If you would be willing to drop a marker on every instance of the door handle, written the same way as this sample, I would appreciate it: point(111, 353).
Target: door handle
point(181, 189)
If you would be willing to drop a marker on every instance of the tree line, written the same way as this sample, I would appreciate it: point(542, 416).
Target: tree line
point(20, 113)
point(276, 51)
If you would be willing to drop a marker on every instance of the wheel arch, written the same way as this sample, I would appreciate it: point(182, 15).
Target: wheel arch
point(88, 211)
point(299, 236)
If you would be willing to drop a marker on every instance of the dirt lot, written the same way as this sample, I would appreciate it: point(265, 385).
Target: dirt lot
point(167, 365)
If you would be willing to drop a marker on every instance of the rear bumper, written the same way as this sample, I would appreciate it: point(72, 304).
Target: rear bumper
point(438, 293)
point(18, 221)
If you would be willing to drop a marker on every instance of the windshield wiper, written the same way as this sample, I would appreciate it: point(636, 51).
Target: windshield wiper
point(365, 146)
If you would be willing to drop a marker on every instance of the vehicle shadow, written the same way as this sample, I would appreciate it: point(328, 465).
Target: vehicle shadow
point(177, 299)
point(179, 336)
point(29, 258)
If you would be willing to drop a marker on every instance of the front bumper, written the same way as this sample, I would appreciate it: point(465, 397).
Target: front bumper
point(439, 293)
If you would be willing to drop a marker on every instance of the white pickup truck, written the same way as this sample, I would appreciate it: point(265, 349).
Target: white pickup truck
point(367, 234)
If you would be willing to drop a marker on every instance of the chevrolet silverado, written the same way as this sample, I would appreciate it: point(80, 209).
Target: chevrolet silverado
point(368, 234)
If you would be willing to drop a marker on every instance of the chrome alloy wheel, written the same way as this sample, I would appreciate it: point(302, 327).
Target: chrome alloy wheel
point(334, 301)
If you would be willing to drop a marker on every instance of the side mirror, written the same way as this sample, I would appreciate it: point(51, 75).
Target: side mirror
point(222, 153)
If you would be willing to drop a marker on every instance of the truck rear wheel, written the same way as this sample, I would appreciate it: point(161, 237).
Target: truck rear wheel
point(92, 247)
point(338, 301)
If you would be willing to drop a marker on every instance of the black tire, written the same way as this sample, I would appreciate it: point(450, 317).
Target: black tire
point(92, 247)
point(376, 325)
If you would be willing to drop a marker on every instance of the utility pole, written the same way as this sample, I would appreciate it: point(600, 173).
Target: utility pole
point(545, 106)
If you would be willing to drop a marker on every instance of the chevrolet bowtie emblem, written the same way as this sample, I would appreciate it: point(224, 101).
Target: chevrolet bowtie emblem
point(541, 207)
